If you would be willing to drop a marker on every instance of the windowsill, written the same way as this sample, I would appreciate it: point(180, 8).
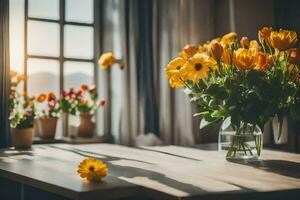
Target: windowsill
point(69, 140)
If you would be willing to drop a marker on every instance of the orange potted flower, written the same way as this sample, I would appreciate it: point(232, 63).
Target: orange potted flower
point(22, 113)
point(48, 112)
point(86, 105)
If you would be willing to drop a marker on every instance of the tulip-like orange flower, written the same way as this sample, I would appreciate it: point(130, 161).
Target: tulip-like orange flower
point(294, 57)
point(226, 56)
point(84, 87)
point(229, 38)
point(263, 61)
point(216, 50)
point(173, 72)
point(92, 169)
point(41, 98)
point(188, 51)
point(245, 42)
point(244, 58)
point(264, 34)
point(283, 39)
point(106, 60)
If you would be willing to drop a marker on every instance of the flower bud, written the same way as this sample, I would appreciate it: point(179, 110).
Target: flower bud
point(245, 42)
point(216, 50)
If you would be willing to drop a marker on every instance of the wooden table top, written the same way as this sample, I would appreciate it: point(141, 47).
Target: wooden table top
point(165, 172)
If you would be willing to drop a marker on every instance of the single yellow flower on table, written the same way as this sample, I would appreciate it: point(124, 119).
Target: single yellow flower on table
point(173, 72)
point(106, 60)
point(197, 67)
point(92, 169)
point(244, 58)
point(283, 39)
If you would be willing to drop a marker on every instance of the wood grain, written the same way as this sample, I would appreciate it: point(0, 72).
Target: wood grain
point(166, 172)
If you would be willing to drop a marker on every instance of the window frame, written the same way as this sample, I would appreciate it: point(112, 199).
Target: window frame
point(61, 59)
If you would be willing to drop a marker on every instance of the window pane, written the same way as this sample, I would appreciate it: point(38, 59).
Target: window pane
point(43, 38)
point(43, 76)
point(80, 11)
point(79, 42)
point(48, 9)
point(16, 35)
point(78, 73)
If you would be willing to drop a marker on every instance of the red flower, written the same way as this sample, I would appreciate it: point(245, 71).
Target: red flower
point(64, 93)
point(102, 102)
point(79, 93)
point(51, 96)
point(71, 91)
point(52, 104)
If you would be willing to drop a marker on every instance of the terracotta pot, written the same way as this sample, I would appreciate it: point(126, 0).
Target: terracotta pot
point(86, 126)
point(22, 138)
point(48, 127)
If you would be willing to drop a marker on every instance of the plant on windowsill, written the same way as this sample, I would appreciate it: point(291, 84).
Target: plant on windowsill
point(22, 113)
point(86, 104)
point(48, 111)
point(244, 85)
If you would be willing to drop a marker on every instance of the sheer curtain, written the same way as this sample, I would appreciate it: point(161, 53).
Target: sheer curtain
point(4, 73)
point(147, 35)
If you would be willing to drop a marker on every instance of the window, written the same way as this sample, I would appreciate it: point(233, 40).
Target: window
point(52, 42)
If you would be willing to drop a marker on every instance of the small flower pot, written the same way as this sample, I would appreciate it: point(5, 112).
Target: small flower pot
point(86, 126)
point(48, 127)
point(22, 138)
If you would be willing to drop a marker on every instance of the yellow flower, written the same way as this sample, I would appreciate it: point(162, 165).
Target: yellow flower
point(263, 61)
point(197, 67)
point(283, 39)
point(226, 56)
point(106, 60)
point(244, 58)
point(92, 169)
point(216, 50)
point(173, 72)
point(245, 42)
point(229, 38)
point(294, 57)
point(254, 45)
point(264, 34)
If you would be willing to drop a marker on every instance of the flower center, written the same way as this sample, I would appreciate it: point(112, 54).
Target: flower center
point(178, 67)
point(198, 66)
point(91, 168)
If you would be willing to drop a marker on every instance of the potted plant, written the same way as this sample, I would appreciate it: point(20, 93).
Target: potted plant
point(244, 84)
point(48, 112)
point(86, 104)
point(22, 113)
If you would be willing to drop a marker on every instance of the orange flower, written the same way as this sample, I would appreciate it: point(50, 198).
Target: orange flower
point(226, 56)
point(188, 51)
point(294, 57)
point(263, 61)
point(84, 87)
point(254, 45)
point(245, 42)
point(216, 50)
point(283, 39)
point(92, 169)
point(41, 98)
point(173, 72)
point(244, 58)
point(264, 34)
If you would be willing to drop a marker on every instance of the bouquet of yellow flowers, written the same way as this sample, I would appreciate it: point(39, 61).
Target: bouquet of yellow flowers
point(248, 81)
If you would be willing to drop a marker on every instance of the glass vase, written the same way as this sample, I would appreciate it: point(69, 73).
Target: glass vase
point(242, 143)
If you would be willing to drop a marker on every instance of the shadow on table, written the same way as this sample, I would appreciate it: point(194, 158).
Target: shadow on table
point(282, 167)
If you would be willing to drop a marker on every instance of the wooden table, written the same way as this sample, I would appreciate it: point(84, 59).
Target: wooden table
point(166, 172)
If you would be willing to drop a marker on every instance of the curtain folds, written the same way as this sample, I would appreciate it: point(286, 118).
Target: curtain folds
point(4, 74)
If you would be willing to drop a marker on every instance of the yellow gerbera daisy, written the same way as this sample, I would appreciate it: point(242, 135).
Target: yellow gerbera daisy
point(197, 67)
point(92, 169)
point(173, 72)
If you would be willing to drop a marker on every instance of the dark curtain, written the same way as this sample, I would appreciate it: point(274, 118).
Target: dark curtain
point(4, 73)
